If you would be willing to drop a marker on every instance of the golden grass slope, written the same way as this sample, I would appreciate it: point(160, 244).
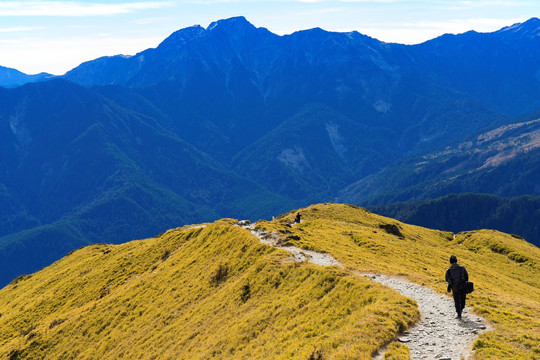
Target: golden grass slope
point(504, 268)
point(195, 293)
point(217, 292)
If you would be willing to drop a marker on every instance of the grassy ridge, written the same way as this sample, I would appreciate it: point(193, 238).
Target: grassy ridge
point(216, 291)
point(504, 268)
point(196, 293)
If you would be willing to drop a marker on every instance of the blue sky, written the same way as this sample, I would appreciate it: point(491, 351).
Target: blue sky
point(55, 36)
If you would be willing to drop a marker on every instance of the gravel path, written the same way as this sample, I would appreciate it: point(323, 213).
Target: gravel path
point(273, 239)
point(438, 335)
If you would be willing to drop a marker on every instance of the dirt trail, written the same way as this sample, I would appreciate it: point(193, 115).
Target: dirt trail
point(438, 335)
point(298, 254)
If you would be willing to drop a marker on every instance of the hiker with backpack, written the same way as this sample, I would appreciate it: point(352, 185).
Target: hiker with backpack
point(458, 281)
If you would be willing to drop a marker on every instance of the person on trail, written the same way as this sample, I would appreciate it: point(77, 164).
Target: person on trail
point(297, 218)
point(456, 276)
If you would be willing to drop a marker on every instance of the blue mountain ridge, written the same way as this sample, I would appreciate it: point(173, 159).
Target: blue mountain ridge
point(234, 121)
point(10, 78)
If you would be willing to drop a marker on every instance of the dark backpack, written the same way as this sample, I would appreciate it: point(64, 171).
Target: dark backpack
point(466, 286)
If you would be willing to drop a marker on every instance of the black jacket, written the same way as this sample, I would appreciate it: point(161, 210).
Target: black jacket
point(455, 276)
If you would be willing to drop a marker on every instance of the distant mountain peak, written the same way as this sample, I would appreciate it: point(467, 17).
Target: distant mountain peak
point(529, 28)
point(10, 77)
point(236, 23)
point(184, 35)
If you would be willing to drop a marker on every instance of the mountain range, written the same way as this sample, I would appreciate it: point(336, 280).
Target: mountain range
point(234, 121)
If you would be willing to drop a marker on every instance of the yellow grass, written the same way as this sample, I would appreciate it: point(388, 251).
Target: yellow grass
point(397, 351)
point(504, 268)
point(197, 293)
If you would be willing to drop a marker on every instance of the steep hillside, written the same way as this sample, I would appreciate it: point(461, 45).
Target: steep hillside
point(475, 62)
point(76, 168)
point(460, 212)
point(214, 290)
point(314, 152)
point(501, 161)
point(195, 293)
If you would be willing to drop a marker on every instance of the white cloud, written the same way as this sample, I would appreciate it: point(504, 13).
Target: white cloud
point(73, 8)
point(484, 4)
point(371, 1)
point(360, 2)
point(462, 25)
point(19, 29)
point(71, 52)
point(418, 32)
point(150, 21)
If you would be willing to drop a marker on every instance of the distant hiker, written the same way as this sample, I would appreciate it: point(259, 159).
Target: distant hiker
point(456, 276)
point(297, 218)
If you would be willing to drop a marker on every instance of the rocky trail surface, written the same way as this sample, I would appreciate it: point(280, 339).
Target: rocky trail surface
point(437, 335)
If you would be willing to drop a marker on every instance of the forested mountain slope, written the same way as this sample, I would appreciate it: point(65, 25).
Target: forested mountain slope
point(503, 161)
point(78, 168)
point(462, 212)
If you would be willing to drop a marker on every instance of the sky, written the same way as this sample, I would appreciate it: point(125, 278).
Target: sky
point(55, 36)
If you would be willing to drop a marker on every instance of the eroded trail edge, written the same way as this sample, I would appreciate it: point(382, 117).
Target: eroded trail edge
point(438, 335)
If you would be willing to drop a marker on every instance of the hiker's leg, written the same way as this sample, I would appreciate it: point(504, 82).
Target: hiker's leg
point(457, 302)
